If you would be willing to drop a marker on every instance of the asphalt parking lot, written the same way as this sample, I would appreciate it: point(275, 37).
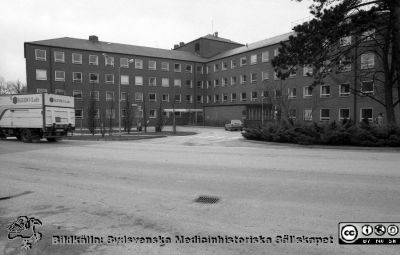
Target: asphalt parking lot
point(152, 188)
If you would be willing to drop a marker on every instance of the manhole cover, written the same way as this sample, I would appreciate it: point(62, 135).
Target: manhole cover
point(207, 200)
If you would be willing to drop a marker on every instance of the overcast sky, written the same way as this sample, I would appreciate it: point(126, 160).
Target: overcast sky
point(152, 23)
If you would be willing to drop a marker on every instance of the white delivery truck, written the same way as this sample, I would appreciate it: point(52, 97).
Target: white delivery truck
point(36, 116)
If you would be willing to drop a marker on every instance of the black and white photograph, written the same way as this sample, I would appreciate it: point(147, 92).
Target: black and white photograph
point(200, 127)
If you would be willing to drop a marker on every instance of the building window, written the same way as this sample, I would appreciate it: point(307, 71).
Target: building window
point(276, 76)
point(253, 77)
point(109, 61)
point(224, 65)
point(307, 91)
point(152, 81)
point(366, 113)
point(345, 41)
point(324, 115)
point(200, 69)
point(139, 96)
point(165, 66)
point(367, 60)
point(307, 114)
point(177, 67)
point(208, 99)
point(93, 77)
point(345, 64)
point(325, 91)
point(344, 90)
point(207, 69)
point(59, 76)
point(199, 84)
point(124, 62)
point(94, 95)
point(264, 93)
point(77, 94)
point(243, 61)
point(124, 79)
point(110, 113)
point(93, 60)
point(165, 82)
point(253, 59)
point(77, 77)
point(208, 84)
point(233, 97)
point(200, 99)
point(224, 97)
point(254, 96)
point(189, 98)
point(233, 64)
point(292, 71)
point(368, 35)
point(265, 56)
point(152, 113)
point(59, 56)
point(78, 114)
point(216, 83)
point(139, 80)
point(40, 55)
point(189, 68)
point(344, 113)
point(152, 97)
point(307, 70)
point(177, 98)
point(60, 92)
point(139, 114)
point(124, 96)
point(41, 75)
point(109, 95)
point(243, 96)
point(216, 98)
point(152, 65)
point(138, 64)
point(40, 90)
point(276, 52)
point(367, 87)
point(243, 79)
point(291, 93)
point(216, 67)
point(165, 97)
point(224, 81)
point(109, 78)
point(233, 80)
point(265, 75)
point(189, 83)
point(177, 83)
point(292, 114)
point(76, 58)
point(277, 93)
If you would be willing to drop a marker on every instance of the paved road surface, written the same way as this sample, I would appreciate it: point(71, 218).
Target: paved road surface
point(148, 187)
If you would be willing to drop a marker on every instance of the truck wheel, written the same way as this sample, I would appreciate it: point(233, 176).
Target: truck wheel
point(26, 135)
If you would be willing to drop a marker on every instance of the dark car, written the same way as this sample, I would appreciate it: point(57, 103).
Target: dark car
point(234, 125)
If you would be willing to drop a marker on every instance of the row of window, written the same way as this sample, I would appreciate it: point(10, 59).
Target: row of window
point(152, 96)
point(110, 113)
point(367, 62)
point(59, 57)
point(109, 79)
point(325, 114)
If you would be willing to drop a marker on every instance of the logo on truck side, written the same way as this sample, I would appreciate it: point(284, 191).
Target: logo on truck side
point(20, 100)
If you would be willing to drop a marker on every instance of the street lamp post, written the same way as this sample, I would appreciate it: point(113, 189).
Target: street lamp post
point(119, 93)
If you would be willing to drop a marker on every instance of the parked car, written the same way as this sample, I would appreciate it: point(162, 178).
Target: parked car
point(234, 125)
